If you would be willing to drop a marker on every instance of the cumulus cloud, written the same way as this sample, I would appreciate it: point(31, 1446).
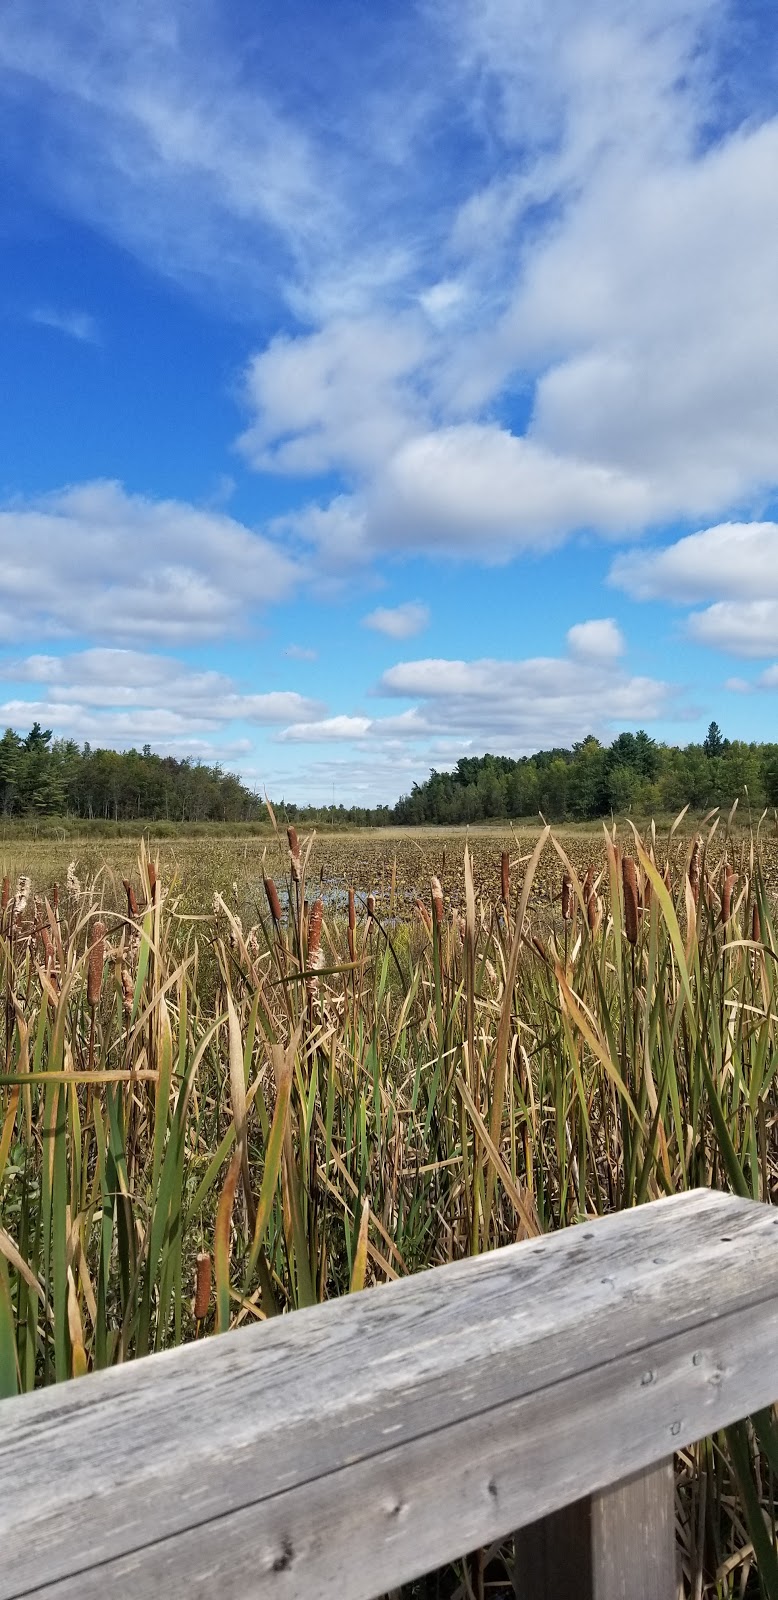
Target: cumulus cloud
point(735, 560)
point(511, 706)
point(399, 622)
point(116, 696)
point(125, 567)
point(599, 640)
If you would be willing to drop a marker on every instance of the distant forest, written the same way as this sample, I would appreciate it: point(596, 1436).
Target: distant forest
point(46, 777)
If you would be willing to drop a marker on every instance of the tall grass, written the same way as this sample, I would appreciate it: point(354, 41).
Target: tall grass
point(206, 1120)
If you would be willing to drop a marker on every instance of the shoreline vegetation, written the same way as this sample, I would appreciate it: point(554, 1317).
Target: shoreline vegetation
point(216, 1108)
point(48, 783)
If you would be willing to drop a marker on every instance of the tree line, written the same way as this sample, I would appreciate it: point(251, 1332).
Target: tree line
point(590, 780)
point(42, 776)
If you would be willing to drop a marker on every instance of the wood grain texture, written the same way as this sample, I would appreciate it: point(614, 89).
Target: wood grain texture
point(343, 1450)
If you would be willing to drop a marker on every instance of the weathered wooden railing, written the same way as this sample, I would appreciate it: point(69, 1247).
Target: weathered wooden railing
point(344, 1450)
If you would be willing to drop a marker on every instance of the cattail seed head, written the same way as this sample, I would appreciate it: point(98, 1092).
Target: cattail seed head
point(295, 862)
point(567, 896)
point(630, 882)
point(371, 905)
point(695, 870)
point(273, 900)
point(505, 877)
point(202, 1286)
point(132, 904)
point(22, 895)
point(94, 981)
point(437, 900)
point(315, 953)
point(593, 913)
point(6, 891)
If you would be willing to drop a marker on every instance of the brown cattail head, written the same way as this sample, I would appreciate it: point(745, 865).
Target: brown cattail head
point(593, 912)
point(588, 885)
point(726, 894)
point(630, 882)
point(152, 881)
point(695, 870)
point(202, 1286)
point(132, 904)
point(567, 896)
point(505, 877)
point(295, 863)
point(94, 980)
point(437, 900)
point(6, 891)
point(756, 925)
point(314, 933)
point(371, 905)
point(273, 901)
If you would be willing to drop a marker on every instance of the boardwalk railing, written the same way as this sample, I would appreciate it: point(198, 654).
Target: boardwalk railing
point(344, 1450)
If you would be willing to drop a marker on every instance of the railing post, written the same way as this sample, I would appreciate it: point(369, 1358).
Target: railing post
point(616, 1545)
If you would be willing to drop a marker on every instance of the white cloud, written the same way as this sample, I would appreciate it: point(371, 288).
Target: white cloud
point(511, 706)
point(120, 697)
point(76, 324)
point(599, 640)
point(301, 652)
point(326, 730)
point(119, 566)
point(399, 622)
point(735, 560)
point(341, 397)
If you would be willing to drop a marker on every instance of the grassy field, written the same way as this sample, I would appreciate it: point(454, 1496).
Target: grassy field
point(227, 1092)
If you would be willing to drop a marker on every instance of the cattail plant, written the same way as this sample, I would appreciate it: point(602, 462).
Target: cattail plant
point(132, 904)
point(6, 891)
point(631, 907)
point(202, 1297)
point(370, 907)
point(314, 953)
point(295, 861)
point(695, 870)
point(273, 902)
point(152, 871)
point(94, 981)
point(567, 897)
point(437, 900)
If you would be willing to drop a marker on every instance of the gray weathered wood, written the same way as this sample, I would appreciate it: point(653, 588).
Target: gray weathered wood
point(615, 1545)
point(345, 1449)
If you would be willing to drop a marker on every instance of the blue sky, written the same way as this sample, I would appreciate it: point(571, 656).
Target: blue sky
point(383, 384)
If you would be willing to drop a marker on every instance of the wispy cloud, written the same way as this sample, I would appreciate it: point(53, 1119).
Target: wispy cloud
point(78, 325)
point(399, 622)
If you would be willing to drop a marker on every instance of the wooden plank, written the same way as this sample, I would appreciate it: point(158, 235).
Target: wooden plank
point(615, 1545)
point(633, 1538)
point(343, 1450)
